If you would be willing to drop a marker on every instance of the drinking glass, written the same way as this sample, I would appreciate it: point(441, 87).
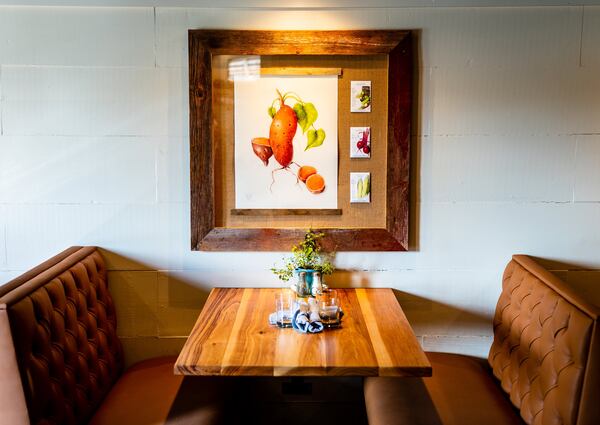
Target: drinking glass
point(284, 307)
point(329, 308)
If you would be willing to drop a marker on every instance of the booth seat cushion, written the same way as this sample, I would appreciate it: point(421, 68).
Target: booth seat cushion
point(461, 392)
point(149, 393)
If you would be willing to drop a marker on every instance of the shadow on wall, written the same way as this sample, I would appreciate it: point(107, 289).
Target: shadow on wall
point(433, 318)
point(437, 325)
point(415, 144)
point(584, 278)
point(553, 264)
point(156, 310)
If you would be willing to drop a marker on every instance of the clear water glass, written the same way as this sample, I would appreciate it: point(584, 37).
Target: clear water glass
point(329, 308)
point(284, 308)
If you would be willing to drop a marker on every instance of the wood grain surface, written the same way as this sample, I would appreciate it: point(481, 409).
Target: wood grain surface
point(288, 70)
point(233, 337)
point(243, 42)
point(278, 212)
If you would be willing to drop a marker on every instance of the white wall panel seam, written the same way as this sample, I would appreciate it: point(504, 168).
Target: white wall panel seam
point(1, 103)
point(416, 6)
point(575, 165)
point(87, 67)
point(155, 36)
point(275, 5)
point(5, 246)
point(581, 36)
point(156, 171)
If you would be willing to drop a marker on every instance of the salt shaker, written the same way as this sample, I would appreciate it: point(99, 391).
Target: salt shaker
point(317, 285)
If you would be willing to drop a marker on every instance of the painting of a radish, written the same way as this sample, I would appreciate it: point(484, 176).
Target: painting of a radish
point(286, 142)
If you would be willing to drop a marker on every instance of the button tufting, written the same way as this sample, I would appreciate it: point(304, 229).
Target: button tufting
point(537, 345)
point(70, 349)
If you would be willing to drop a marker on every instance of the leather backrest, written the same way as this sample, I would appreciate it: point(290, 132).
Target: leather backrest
point(543, 334)
point(63, 327)
point(12, 399)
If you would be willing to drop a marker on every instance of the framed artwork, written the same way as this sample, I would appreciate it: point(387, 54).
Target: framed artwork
point(360, 188)
point(271, 117)
point(275, 150)
point(360, 142)
point(360, 96)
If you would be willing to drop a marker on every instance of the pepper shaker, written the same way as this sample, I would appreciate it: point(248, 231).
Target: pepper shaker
point(317, 285)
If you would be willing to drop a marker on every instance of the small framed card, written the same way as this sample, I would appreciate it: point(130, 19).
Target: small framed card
point(360, 96)
point(360, 142)
point(360, 187)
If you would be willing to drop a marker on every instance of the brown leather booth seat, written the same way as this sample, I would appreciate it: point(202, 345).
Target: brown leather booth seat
point(149, 393)
point(543, 367)
point(62, 362)
point(461, 391)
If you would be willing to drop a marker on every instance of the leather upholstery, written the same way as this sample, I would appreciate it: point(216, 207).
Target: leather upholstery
point(149, 393)
point(542, 338)
point(12, 399)
point(461, 391)
point(545, 355)
point(62, 335)
point(63, 325)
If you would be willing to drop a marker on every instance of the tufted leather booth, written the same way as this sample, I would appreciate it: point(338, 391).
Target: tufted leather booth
point(543, 367)
point(58, 325)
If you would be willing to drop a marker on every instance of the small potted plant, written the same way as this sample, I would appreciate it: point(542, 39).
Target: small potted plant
point(308, 263)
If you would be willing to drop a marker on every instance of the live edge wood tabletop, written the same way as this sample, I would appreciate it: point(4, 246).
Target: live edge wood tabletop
point(232, 337)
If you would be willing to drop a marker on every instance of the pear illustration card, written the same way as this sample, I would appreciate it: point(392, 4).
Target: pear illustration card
point(360, 142)
point(285, 148)
point(360, 187)
point(360, 96)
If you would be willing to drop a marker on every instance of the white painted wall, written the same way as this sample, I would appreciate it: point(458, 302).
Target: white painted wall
point(94, 150)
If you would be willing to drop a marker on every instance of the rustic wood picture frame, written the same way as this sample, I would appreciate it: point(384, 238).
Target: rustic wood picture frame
point(203, 44)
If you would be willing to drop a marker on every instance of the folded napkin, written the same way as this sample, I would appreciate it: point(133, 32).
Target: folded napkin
point(306, 318)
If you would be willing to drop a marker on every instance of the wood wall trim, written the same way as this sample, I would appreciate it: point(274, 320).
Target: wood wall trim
point(398, 157)
point(226, 239)
point(300, 71)
point(234, 42)
point(278, 212)
point(203, 44)
point(202, 202)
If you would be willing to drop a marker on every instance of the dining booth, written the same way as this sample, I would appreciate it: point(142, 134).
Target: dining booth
point(251, 212)
point(64, 362)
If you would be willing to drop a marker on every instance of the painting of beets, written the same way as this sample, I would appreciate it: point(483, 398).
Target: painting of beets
point(360, 142)
point(286, 142)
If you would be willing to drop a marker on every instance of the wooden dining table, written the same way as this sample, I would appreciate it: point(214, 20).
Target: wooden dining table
point(233, 337)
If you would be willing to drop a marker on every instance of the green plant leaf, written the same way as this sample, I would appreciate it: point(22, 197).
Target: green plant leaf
point(367, 186)
point(311, 114)
point(272, 111)
point(314, 138)
point(359, 189)
point(306, 255)
point(301, 115)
